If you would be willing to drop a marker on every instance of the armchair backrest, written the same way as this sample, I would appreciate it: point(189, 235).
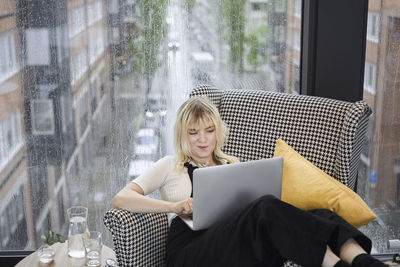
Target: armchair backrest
point(327, 132)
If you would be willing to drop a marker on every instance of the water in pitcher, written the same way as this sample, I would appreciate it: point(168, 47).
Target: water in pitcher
point(77, 230)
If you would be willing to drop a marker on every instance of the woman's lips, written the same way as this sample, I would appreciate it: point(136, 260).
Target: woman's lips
point(202, 147)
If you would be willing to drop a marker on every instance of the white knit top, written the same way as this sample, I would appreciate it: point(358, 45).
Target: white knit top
point(174, 186)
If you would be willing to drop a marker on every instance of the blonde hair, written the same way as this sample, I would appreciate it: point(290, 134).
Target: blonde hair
point(191, 112)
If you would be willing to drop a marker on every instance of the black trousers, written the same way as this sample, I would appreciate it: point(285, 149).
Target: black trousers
point(266, 233)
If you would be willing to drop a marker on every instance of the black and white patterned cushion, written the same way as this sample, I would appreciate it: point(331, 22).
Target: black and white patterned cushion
point(328, 132)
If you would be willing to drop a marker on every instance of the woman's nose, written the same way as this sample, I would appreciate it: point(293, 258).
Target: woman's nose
point(202, 137)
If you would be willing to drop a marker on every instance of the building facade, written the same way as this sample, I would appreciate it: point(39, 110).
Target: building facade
point(55, 110)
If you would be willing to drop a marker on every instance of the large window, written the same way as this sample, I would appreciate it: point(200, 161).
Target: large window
point(380, 158)
point(79, 82)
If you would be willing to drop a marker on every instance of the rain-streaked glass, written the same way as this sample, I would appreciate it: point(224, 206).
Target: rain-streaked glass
point(81, 81)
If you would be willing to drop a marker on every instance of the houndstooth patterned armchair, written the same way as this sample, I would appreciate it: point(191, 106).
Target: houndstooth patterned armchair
point(327, 132)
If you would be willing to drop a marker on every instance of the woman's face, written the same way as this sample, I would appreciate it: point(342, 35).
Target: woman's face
point(202, 140)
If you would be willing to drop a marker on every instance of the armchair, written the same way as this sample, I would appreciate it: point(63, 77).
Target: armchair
point(328, 132)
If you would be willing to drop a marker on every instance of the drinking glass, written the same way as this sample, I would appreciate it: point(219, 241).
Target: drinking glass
point(78, 228)
point(93, 246)
point(46, 254)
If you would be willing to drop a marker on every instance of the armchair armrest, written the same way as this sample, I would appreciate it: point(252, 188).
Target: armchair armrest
point(139, 238)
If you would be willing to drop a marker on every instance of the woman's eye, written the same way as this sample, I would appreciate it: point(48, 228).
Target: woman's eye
point(192, 133)
point(210, 131)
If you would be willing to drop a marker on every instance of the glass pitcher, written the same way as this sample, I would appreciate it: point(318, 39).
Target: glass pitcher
point(78, 228)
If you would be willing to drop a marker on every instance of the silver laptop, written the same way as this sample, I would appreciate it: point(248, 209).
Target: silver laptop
point(220, 191)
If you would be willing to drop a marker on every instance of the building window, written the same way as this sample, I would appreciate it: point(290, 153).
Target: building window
point(8, 58)
point(38, 46)
point(39, 187)
point(60, 206)
point(255, 6)
point(44, 225)
point(4, 230)
point(101, 82)
point(96, 45)
point(370, 77)
point(296, 78)
point(76, 21)
point(20, 205)
point(373, 27)
point(279, 31)
point(86, 159)
point(10, 137)
point(79, 65)
point(280, 6)
point(113, 6)
point(93, 95)
point(259, 6)
point(396, 170)
point(42, 113)
point(64, 108)
point(83, 112)
point(95, 12)
point(297, 8)
point(297, 40)
point(15, 211)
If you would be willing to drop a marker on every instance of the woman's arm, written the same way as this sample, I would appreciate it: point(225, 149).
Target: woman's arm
point(132, 198)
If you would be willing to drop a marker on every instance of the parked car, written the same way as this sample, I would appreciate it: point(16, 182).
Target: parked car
point(146, 143)
point(155, 112)
point(173, 45)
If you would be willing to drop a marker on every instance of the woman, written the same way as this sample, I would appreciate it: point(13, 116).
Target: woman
point(265, 233)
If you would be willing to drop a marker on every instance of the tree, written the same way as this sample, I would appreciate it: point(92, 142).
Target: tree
point(234, 21)
point(257, 42)
point(146, 47)
point(189, 4)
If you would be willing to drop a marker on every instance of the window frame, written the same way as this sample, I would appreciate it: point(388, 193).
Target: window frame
point(324, 37)
point(322, 72)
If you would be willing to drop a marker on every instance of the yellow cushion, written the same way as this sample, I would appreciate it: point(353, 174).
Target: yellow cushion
point(307, 187)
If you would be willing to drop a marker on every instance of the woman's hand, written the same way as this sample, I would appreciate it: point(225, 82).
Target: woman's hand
point(183, 207)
